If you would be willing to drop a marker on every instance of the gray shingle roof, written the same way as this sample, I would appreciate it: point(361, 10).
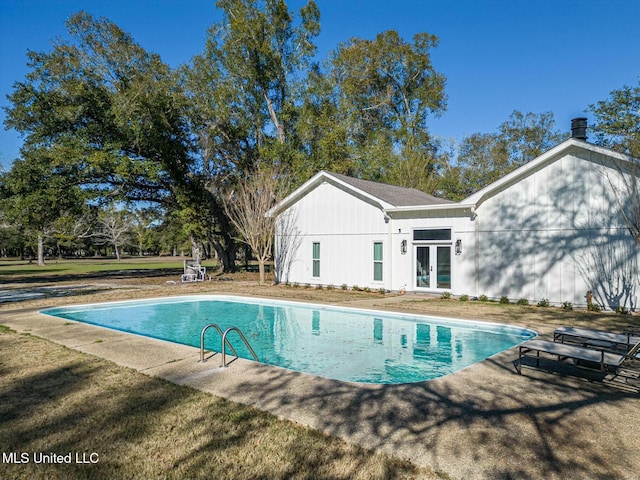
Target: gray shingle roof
point(396, 196)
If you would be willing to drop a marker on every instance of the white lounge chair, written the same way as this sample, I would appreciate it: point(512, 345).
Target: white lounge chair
point(561, 352)
point(595, 338)
point(194, 272)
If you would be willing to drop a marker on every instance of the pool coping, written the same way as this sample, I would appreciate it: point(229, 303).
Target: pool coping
point(474, 423)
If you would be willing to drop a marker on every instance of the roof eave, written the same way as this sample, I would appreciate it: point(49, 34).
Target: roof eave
point(294, 196)
point(548, 156)
point(316, 180)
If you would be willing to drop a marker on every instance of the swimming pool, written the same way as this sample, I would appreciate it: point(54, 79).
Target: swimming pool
point(346, 344)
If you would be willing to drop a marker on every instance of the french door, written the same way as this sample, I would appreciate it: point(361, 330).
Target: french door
point(433, 267)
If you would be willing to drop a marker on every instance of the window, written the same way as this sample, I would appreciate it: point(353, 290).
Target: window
point(433, 235)
point(377, 261)
point(316, 259)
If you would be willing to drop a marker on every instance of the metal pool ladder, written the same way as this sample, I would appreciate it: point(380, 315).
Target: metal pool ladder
point(225, 341)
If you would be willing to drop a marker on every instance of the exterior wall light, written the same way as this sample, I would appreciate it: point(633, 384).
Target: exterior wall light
point(458, 247)
point(403, 247)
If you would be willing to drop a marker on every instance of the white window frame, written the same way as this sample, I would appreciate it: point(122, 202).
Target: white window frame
point(315, 260)
point(378, 262)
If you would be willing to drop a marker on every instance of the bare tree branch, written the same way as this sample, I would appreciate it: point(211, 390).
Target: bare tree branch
point(247, 207)
point(114, 229)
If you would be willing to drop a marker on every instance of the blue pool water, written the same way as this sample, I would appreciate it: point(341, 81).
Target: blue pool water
point(341, 343)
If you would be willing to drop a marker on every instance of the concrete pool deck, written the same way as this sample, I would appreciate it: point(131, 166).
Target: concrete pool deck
point(483, 422)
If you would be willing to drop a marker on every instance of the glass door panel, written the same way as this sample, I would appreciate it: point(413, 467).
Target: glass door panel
point(423, 267)
point(443, 266)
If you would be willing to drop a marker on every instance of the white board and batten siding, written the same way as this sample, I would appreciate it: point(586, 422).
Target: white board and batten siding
point(556, 234)
point(346, 228)
point(551, 229)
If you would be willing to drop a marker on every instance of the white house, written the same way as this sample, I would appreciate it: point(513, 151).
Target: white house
point(551, 229)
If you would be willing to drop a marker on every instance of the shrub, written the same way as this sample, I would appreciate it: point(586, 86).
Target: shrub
point(543, 302)
point(382, 291)
point(295, 285)
point(319, 287)
point(307, 285)
point(622, 310)
point(356, 288)
point(330, 287)
point(464, 298)
point(594, 307)
point(367, 289)
point(523, 301)
point(504, 300)
point(567, 306)
point(483, 298)
point(445, 296)
point(344, 286)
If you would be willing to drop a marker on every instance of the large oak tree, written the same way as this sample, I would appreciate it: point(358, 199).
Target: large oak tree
point(111, 115)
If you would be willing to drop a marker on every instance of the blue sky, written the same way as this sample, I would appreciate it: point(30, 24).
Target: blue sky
point(498, 55)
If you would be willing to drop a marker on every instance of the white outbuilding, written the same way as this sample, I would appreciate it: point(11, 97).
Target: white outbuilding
point(553, 229)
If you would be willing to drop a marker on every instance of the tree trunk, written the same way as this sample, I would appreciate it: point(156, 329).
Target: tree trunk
point(227, 256)
point(40, 249)
point(280, 133)
point(261, 270)
point(206, 250)
point(117, 252)
point(195, 250)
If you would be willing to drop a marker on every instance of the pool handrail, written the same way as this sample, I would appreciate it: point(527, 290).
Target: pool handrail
point(244, 339)
point(217, 327)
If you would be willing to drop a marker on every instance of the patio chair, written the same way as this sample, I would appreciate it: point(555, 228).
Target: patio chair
point(194, 272)
point(595, 338)
point(600, 359)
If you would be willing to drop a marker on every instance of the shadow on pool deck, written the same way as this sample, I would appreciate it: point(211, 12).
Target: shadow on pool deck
point(483, 422)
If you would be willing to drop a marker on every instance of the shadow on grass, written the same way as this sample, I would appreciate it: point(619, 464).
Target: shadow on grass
point(51, 412)
point(142, 427)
